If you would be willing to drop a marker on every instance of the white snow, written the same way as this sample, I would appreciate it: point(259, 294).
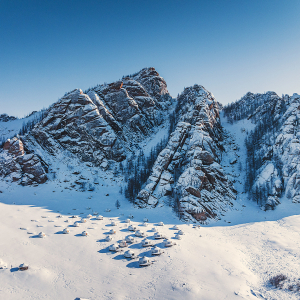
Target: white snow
point(229, 259)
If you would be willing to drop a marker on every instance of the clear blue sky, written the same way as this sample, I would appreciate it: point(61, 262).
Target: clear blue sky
point(229, 47)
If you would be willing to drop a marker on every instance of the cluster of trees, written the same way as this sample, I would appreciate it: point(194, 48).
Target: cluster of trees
point(257, 141)
point(241, 109)
point(138, 169)
point(27, 126)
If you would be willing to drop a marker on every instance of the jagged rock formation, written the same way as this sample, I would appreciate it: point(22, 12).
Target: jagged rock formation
point(188, 168)
point(106, 122)
point(273, 147)
point(17, 166)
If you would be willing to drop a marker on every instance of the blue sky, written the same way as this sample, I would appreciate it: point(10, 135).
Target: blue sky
point(229, 47)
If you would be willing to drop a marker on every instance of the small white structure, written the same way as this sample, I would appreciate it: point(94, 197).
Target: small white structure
point(180, 232)
point(154, 229)
point(145, 220)
point(127, 221)
point(66, 231)
point(147, 243)
point(139, 233)
point(129, 254)
point(83, 220)
point(156, 251)
point(160, 224)
point(130, 239)
point(89, 216)
point(178, 236)
point(42, 235)
point(95, 213)
point(108, 238)
point(144, 262)
point(123, 244)
point(175, 227)
point(130, 216)
point(169, 243)
point(113, 223)
point(131, 228)
point(84, 233)
point(99, 217)
point(145, 224)
point(107, 210)
point(112, 231)
point(159, 236)
point(114, 248)
point(76, 224)
point(60, 216)
point(73, 217)
point(23, 267)
point(197, 226)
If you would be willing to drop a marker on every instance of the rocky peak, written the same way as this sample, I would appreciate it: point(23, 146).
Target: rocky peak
point(188, 169)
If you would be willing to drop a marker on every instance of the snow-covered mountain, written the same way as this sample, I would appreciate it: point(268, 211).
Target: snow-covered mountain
point(158, 150)
point(273, 146)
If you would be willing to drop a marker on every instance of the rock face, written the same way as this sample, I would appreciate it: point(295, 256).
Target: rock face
point(188, 168)
point(17, 166)
point(103, 123)
point(273, 147)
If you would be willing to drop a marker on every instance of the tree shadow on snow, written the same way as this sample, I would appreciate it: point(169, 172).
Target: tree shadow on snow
point(14, 269)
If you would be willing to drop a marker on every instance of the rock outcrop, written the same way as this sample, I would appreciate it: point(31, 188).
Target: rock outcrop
point(17, 166)
point(107, 121)
point(188, 168)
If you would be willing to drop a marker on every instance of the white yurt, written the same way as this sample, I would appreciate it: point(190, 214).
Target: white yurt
point(130, 239)
point(83, 220)
point(127, 221)
point(156, 251)
point(145, 220)
point(178, 236)
point(147, 243)
point(66, 231)
point(160, 224)
point(154, 229)
point(112, 231)
point(107, 210)
point(76, 224)
point(84, 233)
point(89, 216)
point(73, 217)
point(95, 213)
point(131, 228)
point(99, 217)
point(180, 232)
point(144, 262)
point(123, 244)
point(129, 254)
point(114, 248)
point(108, 238)
point(145, 224)
point(139, 233)
point(42, 234)
point(159, 236)
point(175, 227)
point(169, 243)
point(113, 223)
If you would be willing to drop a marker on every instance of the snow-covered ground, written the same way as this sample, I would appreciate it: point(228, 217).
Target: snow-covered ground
point(229, 259)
